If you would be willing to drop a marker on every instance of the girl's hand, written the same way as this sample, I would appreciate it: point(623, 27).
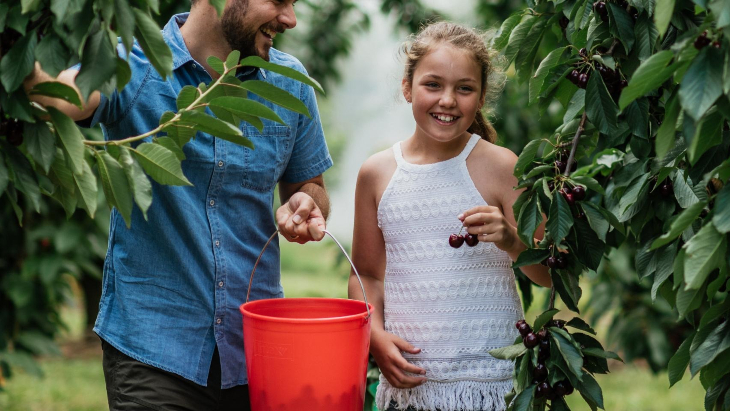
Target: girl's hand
point(491, 225)
point(386, 348)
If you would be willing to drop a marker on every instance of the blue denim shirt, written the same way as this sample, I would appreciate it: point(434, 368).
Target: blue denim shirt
point(173, 284)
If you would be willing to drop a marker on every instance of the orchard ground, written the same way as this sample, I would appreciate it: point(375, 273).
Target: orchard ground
point(75, 381)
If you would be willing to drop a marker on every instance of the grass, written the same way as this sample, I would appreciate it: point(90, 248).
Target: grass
point(315, 270)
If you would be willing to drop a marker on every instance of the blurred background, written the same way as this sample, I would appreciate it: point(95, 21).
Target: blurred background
point(52, 265)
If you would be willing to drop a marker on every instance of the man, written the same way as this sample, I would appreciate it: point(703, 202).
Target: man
point(169, 315)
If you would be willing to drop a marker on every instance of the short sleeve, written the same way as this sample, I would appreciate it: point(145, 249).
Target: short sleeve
point(310, 156)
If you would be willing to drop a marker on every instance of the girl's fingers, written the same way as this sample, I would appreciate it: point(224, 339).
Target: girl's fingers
point(398, 379)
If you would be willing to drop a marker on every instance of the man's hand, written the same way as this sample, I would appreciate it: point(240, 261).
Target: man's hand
point(300, 220)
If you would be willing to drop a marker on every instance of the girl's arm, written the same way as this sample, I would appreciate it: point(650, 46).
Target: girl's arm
point(496, 223)
point(368, 255)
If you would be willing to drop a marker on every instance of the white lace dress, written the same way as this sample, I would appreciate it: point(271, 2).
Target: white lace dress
point(453, 303)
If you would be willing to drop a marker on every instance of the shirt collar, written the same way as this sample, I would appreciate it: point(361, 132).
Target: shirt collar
point(180, 53)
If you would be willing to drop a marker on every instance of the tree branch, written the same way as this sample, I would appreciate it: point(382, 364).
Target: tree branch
point(576, 138)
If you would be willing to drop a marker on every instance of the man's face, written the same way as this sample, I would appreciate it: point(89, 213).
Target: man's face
point(251, 25)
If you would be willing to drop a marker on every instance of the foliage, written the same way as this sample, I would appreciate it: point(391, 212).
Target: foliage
point(44, 155)
point(644, 91)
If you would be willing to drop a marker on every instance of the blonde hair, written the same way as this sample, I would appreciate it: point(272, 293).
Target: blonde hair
point(463, 38)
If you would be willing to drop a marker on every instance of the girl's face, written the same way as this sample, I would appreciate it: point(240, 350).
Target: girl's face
point(445, 93)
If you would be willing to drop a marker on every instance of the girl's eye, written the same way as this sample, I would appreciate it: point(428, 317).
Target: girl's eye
point(466, 89)
point(432, 85)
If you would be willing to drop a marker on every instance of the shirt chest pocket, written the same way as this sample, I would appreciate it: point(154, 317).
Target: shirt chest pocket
point(264, 165)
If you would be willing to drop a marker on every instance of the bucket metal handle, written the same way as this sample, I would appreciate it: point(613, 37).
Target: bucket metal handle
point(362, 287)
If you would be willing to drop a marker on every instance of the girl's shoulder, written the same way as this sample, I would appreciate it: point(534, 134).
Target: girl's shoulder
point(378, 165)
point(500, 160)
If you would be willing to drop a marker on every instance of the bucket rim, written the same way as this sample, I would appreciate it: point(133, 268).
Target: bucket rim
point(328, 320)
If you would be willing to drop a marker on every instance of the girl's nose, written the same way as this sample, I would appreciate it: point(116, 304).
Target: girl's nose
point(447, 100)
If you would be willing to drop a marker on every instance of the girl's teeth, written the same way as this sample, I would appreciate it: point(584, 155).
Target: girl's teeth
point(446, 119)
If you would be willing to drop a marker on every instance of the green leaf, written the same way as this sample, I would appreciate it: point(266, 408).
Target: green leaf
point(241, 106)
point(531, 256)
point(679, 361)
point(216, 64)
point(663, 15)
point(276, 95)
point(233, 58)
point(716, 342)
point(526, 157)
point(529, 219)
point(683, 190)
point(721, 219)
point(150, 39)
point(508, 353)
point(708, 135)
point(537, 80)
point(596, 219)
point(600, 107)
point(210, 125)
point(161, 164)
point(24, 176)
point(590, 183)
point(524, 61)
point(71, 139)
point(646, 36)
point(560, 220)
point(589, 247)
point(98, 63)
point(621, 25)
point(86, 187)
point(124, 19)
point(256, 61)
point(683, 220)
point(523, 401)
point(124, 73)
point(138, 181)
point(503, 34)
point(116, 187)
point(544, 318)
point(40, 142)
point(57, 90)
point(517, 37)
point(649, 76)
point(219, 5)
point(596, 352)
point(702, 83)
point(18, 62)
point(187, 96)
point(578, 323)
point(667, 131)
point(590, 389)
point(4, 177)
point(704, 251)
point(171, 145)
point(568, 351)
point(52, 54)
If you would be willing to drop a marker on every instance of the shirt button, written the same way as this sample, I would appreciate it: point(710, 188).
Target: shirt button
point(212, 203)
point(220, 284)
point(220, 163)
point(195, 66)
point(217, 243)
point(218, 321)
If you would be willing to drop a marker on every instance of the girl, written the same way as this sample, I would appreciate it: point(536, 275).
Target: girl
point(441, 305)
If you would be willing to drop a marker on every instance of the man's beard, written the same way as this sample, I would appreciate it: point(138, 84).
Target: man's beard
point(237, 34)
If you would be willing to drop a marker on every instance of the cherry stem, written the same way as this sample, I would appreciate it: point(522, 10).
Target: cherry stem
point(552, 297)
point(576, 138)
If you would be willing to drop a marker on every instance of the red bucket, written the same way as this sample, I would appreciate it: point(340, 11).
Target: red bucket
point(306, 353)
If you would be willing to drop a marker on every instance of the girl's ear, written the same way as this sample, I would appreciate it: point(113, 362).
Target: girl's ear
point(406, 87)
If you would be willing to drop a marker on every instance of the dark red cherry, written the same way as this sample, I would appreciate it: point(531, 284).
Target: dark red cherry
point(547, 390)
point(540, 372)
point(471, 239)
point(523, 328)
point(583, 80)
point(560, 166)
point(531, 340)
point(542, 335)
point(579, 193)
point(456, 240)
point(570, 199)
point(666, 189)
point(552, 262)
point(562, 262)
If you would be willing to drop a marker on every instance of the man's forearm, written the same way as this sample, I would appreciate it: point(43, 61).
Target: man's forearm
point(67, 77)
point(319, 195)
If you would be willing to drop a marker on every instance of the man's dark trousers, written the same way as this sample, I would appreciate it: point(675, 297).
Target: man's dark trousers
point(134, 386)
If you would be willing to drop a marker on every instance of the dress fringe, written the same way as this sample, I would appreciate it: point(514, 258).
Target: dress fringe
point(446, 396)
